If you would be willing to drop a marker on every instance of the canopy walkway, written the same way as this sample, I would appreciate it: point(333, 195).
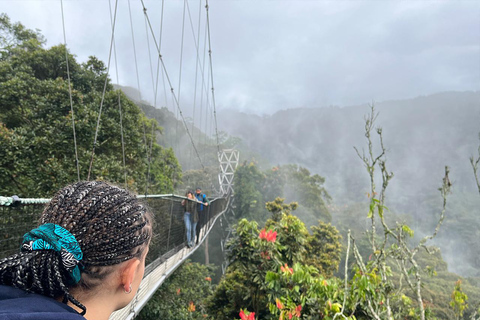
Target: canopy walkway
point(168, 249)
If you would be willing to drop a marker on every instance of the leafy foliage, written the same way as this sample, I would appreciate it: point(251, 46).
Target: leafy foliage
point(262, 261)
point(253, 188)
point(36, 133)
point(182, 296)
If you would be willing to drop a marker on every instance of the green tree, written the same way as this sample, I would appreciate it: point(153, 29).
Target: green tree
point(259, 261)
point(38, 155)
point(16, 35)
point(459, 300)
point(308, 190)
point(324, 249)
point(248, 181)
point(182, 296)
point(253, 188)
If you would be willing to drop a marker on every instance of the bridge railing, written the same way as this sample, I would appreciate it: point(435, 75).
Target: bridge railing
point(167, 251)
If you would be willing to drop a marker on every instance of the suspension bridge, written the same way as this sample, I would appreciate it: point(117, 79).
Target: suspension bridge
point(168, 249)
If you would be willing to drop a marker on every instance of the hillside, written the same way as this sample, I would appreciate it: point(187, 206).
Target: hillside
point(422, 135)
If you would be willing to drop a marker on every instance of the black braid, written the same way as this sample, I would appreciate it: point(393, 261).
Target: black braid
point(110, 225)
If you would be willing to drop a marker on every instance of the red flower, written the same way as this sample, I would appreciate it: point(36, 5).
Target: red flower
point(208, 279)
point(262, 234)
point(247, 316)
point(298, 309)
point(271, 236)
point(279, 304)
point(178, 291)
point(191, 307)
point(286, 269)
point(242, 315)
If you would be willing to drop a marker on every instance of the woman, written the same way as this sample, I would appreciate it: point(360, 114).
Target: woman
point(190, 217)
point(84, 261)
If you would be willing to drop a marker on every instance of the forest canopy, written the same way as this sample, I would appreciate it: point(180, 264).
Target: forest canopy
point(48, 119)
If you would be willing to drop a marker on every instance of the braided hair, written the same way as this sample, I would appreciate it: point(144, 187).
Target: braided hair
point(110, 225)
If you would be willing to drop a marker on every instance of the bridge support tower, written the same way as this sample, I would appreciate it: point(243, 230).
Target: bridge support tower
point(228, 159)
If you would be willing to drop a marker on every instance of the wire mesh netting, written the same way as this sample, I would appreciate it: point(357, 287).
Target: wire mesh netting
point(15, 221)
point(169, 228)
point(169, 235)
point(168, 248)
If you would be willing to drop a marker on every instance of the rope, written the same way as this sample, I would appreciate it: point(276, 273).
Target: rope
point(181, 52)
point(150, 60)
point(170, 84)
point(180, 72)
point(146, 155)
point(150, 158)
point(104, 90)
point(197, 64)
point(158, 61)
point(134, 52)
point(211, 74)
point(70, 94)
point(205, 130)
point(119, 100)
point(9, 201)
point(197, 44)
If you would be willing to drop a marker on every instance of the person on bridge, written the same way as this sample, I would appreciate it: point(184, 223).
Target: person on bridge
point(202, 213)
point(85, 260)
point(190, 217)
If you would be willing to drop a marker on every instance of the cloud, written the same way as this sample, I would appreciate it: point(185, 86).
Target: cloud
point(271, 55)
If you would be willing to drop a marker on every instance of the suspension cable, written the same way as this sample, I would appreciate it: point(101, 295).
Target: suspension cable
point(180, 68)
point(181, 52)
point(119, 100)
point(150, 158)
point(150, 59)
point(197, 62)
point(134, 53)
point(104, 91)
point(170, 84)
point(211, 74)
point(158, 61)
point(70, 94)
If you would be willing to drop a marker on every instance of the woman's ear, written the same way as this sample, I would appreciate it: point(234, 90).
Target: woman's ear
point(128, 274)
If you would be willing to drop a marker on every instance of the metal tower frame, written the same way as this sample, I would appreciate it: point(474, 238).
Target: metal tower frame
point(228, 159)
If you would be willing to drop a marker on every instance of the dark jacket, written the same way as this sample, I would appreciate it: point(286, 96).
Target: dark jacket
point(191, 207)
point(16, 304)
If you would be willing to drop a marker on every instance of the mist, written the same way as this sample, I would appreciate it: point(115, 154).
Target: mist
point(421, 135)
point(272, 55)
point(293, 80)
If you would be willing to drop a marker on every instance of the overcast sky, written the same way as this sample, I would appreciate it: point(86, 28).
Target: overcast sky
point(272, 55)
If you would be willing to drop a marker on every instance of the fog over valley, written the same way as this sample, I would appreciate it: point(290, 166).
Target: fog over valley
point(422, 136)
point(329, 103)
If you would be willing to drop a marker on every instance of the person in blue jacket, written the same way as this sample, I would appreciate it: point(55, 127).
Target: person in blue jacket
point(202, 205)
point(85, 260)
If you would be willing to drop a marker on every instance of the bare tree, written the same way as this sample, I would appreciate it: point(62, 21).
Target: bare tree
point(390, 244)
point(474, 163)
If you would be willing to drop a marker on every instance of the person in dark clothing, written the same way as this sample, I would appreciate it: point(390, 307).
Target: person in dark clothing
point(190, 217)
point(85, 260)
point(202, 206)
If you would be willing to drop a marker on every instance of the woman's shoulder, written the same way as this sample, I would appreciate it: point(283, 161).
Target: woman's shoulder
point(16, 304)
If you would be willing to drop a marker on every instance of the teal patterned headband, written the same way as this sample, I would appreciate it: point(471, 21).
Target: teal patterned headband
point(53, 237)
